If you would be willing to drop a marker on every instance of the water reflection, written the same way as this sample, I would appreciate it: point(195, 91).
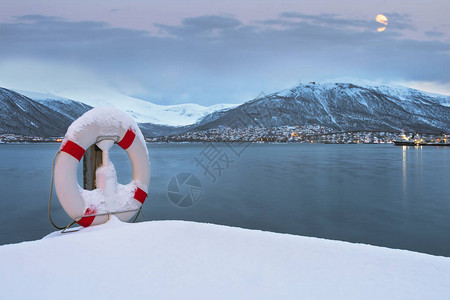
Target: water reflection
point(418, 163)
point(404, 173)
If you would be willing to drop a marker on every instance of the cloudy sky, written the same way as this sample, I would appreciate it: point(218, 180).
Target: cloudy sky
point(218, 51)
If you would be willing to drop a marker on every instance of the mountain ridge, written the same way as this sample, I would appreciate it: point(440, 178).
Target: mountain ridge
point(142, 111)
point(340, 106)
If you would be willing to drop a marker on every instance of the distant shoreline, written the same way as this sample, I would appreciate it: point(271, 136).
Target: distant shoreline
point(282, 135)
point(203, 142)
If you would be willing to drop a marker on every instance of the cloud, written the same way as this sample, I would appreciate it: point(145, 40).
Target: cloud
point(212, 22)
point(214, 58)
point(329, 19)
point(63, 79)
point(38, 18)
point(432, 87)
point(396, 21)
point(434, 34)
point(201, 25)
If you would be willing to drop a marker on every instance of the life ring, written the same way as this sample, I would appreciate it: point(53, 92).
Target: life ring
point(97, 124)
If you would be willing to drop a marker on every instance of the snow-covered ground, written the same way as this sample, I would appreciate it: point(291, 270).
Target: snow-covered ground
point(186, 260)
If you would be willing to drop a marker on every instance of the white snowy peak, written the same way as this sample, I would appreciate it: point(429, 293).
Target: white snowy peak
point(142, 111)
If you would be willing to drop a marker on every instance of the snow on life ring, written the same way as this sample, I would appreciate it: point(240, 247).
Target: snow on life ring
point(87, 130)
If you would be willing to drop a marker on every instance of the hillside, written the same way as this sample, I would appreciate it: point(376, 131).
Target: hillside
point(22, 115)
point(341, 106)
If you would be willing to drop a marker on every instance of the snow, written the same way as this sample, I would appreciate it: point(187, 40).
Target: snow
point(191, 113)
point(20, 106)
point(354, 80)
point(109, 119)
point(400, 94)
point(186, 260)
point(109, 196)
point(121, 200)
point(444, 102)
point(142, 111)
point(171, 115)
point(395, 90)
point(105, 175)
point(41, 96)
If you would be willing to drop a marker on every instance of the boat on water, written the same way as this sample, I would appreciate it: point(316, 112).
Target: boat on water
point(405, 143)
point(416, 140)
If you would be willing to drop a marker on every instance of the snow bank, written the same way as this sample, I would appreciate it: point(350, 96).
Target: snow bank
point(185, 260)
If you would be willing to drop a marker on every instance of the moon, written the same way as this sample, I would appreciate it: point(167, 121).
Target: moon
point(382, 19)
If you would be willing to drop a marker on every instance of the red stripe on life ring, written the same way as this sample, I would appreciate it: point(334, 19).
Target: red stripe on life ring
point(73, 149)
point(140, 195)
point(127, 139)
point(87, 221)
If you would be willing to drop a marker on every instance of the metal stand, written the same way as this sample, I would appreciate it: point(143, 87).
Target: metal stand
point(94, 215)
point(92, 159)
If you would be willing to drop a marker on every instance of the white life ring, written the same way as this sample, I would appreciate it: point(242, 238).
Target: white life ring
point(84, 132)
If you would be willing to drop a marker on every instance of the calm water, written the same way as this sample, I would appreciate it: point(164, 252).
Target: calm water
point(375, 194)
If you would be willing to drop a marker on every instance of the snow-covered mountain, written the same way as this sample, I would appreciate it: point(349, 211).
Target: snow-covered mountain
point(22, 115)
point(153, 119)
point(169, 115)
point(342, 106)
point(142, 111)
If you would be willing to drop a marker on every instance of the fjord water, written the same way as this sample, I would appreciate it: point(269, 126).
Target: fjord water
point(396, 197)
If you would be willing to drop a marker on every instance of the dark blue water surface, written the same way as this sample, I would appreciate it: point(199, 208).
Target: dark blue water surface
point(396, 197)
